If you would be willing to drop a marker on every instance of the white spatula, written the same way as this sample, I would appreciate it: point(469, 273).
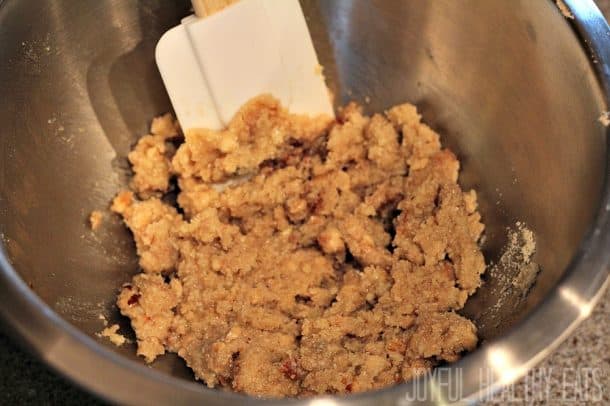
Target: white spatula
point(214, 62)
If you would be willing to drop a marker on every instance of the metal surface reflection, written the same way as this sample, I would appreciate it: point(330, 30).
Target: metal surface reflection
point(504, 365)
point(583, 305)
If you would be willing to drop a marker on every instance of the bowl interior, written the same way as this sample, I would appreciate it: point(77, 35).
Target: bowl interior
point(507, 85)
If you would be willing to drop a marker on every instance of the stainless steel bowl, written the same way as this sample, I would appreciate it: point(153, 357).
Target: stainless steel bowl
point(516, 88)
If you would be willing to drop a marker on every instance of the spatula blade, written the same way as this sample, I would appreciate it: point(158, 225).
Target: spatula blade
point(250, 48)
point(184, 81)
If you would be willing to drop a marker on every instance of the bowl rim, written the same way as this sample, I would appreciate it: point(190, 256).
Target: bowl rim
point(60, 344)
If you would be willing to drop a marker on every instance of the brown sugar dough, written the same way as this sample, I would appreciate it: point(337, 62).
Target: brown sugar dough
point(336, 266)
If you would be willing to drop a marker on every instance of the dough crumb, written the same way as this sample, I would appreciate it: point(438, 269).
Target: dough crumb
point(318, 70)
point(95, 219)
point(604, 119)
point(111, 333)
point(103, 319)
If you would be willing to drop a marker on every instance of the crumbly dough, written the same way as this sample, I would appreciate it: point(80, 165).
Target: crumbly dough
point(335, 264)
point(95, 219)
point(112, 334)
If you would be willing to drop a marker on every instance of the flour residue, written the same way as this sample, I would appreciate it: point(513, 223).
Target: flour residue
point(515, 269)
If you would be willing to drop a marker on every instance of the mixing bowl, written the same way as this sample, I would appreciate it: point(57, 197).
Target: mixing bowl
point(514, 87)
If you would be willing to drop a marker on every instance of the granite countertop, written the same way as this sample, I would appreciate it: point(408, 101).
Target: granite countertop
point(578, 372)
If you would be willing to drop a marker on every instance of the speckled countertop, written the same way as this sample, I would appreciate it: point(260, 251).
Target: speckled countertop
point(577, 373)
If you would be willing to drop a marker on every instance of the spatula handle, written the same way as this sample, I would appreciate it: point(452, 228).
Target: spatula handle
point(205, 8)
